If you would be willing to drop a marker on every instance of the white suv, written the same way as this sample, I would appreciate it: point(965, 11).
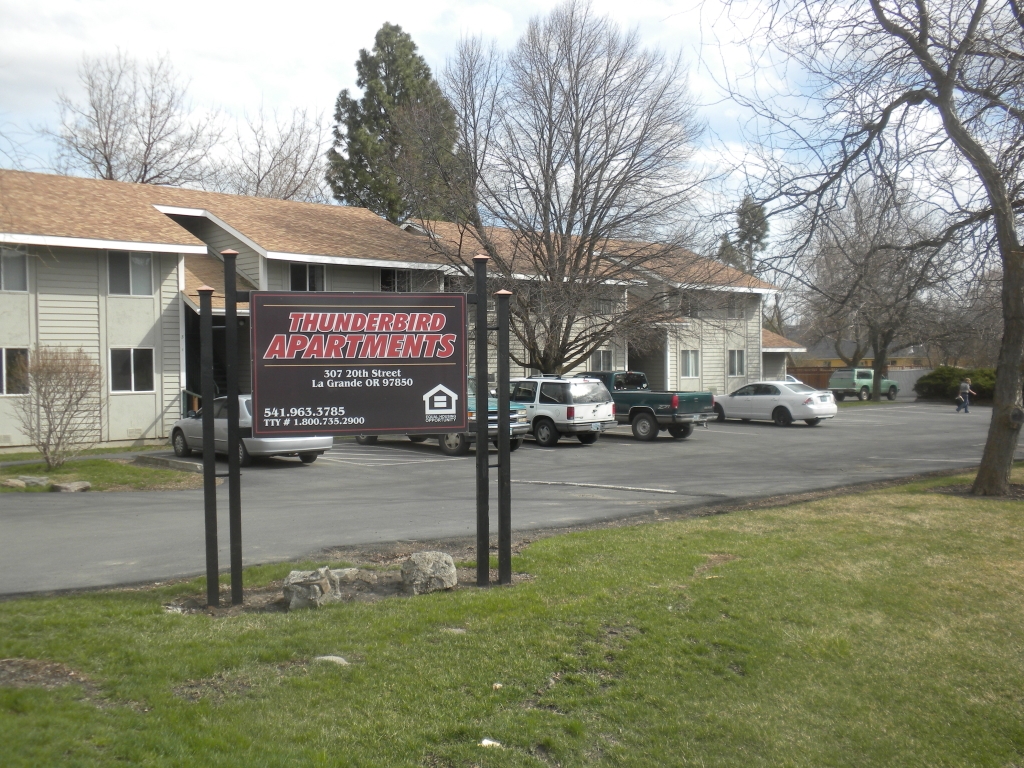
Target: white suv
point(557, 406)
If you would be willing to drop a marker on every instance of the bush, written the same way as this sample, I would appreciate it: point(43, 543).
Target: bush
point(944, 382)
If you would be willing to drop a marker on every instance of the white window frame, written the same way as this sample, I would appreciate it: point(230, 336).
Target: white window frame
point(308, 269)
point(133, 390)
point(3, 373)
point(131, 281)
point(600, 353)
point(692, 358)
point(9, 254)
point(736, 309)
point(737, 362)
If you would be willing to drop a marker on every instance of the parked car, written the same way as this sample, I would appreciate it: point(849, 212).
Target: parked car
point(792, 379)
point(557, 406)
point(859, 382)
point(778, 401)
point(458, 443)
point(649, 412)
point(187, 436)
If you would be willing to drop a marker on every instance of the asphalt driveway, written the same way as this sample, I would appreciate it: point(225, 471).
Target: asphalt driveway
point(398, 490)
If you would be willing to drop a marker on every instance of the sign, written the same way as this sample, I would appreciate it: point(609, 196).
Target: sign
point(358, 363)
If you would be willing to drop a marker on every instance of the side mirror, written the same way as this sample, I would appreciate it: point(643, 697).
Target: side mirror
point(732, 394)
point(192, 414)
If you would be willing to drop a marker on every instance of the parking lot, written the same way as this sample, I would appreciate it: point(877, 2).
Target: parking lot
point(399, 490)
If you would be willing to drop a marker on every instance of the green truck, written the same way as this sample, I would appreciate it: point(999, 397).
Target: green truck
point(859, 382)
point(648, 412)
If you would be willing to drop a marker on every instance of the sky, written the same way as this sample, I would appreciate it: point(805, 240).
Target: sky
point(298, 54)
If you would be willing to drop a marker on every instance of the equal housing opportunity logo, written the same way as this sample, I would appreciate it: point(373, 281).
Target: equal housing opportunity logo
point(440, 404)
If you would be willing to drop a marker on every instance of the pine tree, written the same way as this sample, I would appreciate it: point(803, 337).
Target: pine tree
point(751, 231)
point(365, 161)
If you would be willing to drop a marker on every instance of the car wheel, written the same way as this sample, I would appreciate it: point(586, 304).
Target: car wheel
point(417, 438)
point(782, 417)
point(544, 433)
point(892, 393)
point(181, 449)
point(515, 444)
point(720, 411)
point(839, 396)
point(812, 422)
point(244, 459)
point(681, 430)
point(308, 458)
point(587, 438)
point(454, 444)
point(366, 439)
point(645, 427)
point(864, 394)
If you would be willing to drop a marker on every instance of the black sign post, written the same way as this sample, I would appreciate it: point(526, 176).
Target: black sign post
point(483, 524)
point(504, 450)
point(358, 363)
point(234, 458)
point(209, 458)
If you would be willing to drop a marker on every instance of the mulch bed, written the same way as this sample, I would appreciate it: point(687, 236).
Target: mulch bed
point(1015, 492)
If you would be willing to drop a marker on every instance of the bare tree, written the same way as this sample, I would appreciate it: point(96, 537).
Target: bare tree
point(60, 414)
point(936, 88)
point(278, 158)
point(135, 124)
point(867, 274)
point(572, 158)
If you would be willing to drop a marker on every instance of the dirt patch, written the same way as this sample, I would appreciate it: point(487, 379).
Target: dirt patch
point(36, 673)
point(270, 598)
point(1014, 493)
point(713, 561)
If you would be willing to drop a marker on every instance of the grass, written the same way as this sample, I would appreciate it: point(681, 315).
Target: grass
point(876, 629)
point(30, 455)
point(105, 475)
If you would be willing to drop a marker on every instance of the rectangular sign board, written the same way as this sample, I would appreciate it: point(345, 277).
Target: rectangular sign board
point(358, 363)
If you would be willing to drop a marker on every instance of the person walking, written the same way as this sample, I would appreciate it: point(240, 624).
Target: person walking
point(963, 400)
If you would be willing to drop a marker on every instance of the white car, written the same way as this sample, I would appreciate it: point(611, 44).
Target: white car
point(187, 436)
point(780, 401)
point(557, 406)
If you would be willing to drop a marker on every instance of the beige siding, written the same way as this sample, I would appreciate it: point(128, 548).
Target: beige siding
point(278, 278)
point(341, 278)
point(169, 377)
point(248, 261)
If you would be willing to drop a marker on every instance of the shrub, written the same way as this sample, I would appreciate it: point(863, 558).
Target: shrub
point(944, 382)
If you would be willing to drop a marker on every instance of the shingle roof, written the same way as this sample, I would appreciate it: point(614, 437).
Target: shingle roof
point(676, 265)
point(70, 207)
point(773, 342)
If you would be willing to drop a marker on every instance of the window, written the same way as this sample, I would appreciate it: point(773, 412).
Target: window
point(553, 393)
point(129, 274)
point(395, 280)
point(601, 360)
point(604, 306)
point(864, 375)
point(524, 392)
point(13, 380)
point(735, 310)
point(689, 363)
point(629, 381)
point(307, 277)
point(131, 370)
point(13, 271)
point(736, 366)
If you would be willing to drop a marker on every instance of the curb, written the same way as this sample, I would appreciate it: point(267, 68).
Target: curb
point(161, 462)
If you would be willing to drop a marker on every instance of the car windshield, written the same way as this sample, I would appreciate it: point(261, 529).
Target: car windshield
point(799, 388)
point(584, 392)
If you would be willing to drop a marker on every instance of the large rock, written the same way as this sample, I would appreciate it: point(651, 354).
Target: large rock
point(428, 572)
point(310, 589)
point(73, 487)
point(34, 482)
point(13, 483)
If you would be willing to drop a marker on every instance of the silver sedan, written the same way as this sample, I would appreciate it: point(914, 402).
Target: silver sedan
point(187, 436)
point(780, 401)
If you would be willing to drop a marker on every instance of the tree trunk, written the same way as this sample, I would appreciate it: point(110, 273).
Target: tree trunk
point(1007, 414)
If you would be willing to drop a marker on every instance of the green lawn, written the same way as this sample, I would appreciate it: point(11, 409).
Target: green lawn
point(881, 629)
point(105, 475)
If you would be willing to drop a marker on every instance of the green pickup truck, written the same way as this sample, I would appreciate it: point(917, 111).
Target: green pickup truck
point(651, 412)
point(858, 382)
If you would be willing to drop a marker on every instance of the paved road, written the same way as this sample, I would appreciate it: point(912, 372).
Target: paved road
point(398, 490)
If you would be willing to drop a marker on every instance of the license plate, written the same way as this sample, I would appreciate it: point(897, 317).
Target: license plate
point(823, 398)
point(596, 426)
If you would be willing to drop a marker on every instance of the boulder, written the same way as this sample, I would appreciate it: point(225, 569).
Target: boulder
point(351, 575)
point(73, 487)
point(35, 482)
point(310, 589)
point(13, 483)
point(429, 572)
